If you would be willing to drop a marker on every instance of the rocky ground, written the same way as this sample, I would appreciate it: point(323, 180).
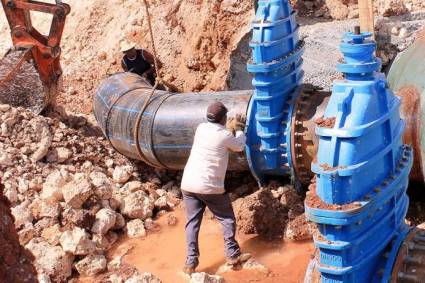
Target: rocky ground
point(349, 9)
point(73, 197)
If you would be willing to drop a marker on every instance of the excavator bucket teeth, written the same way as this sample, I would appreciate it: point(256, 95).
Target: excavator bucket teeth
point(20, 83)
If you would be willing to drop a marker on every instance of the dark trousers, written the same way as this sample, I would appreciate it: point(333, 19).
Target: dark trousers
point(221, 206)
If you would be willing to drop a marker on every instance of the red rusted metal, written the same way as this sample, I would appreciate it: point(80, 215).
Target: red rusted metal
point(411, 114)
point(45, 49)
point(310, 106)
point(410, 263)
point(406, 78)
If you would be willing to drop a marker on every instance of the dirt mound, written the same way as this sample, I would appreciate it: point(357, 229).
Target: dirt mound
point(15, 262)
point(273, 213)
point(194, 39)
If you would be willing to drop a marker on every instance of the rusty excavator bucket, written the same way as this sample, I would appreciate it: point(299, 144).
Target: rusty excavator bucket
point(30, 71)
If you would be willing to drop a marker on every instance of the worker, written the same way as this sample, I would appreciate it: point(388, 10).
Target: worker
point(138, 61)
point(203, 183)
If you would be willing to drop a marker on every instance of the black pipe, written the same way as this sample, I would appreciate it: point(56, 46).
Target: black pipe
point(168, 124)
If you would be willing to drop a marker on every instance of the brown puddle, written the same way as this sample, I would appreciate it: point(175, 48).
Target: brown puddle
point(163, 254)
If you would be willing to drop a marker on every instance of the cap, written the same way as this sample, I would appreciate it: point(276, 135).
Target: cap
point(216, 112)
point(126, 45)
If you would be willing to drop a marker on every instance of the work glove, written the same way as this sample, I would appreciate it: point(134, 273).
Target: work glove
point(237, 123)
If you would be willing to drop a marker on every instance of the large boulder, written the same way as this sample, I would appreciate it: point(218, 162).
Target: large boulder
point(51, 260)
point(137, 205)
point(77, 242)
point(91, 265)
point(77, 191)
point(105, 220)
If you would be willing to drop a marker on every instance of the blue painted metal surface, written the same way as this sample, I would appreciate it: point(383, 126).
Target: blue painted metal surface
point(362, 170)
point(276, 65)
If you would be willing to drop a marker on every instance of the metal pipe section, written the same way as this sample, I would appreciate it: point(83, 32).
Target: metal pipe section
point(168, 123)
point(406, 78)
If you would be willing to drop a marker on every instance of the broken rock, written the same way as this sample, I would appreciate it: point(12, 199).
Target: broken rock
point(137, 205)
point(136, 229)
point(51, 260)
point(59, 155)
point(91, 265)
point(102, 184)
point(143, 278)
point(22, 214)
point(122, 173)
point(202, 277)
point(52, 187)
point(77, 191)
point(52, 234)
point(77, 242)
point(105, 220)
point(45, 208)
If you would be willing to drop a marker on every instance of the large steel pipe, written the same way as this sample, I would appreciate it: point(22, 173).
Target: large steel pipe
point(406, 78)
point(167, 125)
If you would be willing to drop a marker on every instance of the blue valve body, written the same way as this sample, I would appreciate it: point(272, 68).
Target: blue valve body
point(359, 201)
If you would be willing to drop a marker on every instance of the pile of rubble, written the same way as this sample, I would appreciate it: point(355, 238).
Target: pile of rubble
point(349, 9)
point(72, 195)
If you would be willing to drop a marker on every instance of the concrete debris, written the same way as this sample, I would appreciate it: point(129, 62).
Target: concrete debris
point(136, 229)
point(51, 260)
point(91, 265)
point(202, 277)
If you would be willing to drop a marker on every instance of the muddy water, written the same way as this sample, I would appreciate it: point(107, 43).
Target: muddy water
point(163, 253)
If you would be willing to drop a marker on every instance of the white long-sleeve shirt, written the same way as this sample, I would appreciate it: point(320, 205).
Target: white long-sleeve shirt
point(207, 165)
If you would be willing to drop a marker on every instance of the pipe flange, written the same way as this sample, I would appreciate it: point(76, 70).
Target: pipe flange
point(310, 105)
point(410, 263)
